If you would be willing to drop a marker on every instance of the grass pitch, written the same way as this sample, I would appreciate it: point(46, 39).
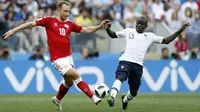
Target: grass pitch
point(145, 102)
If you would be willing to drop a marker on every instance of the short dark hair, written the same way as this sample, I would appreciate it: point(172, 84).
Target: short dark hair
point(61, 3)
point(142, 19)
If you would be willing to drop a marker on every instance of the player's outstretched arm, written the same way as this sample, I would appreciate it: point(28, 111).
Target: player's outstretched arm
point(170, 38)
point(92, 29)
point(14, 30)
point(112, 34)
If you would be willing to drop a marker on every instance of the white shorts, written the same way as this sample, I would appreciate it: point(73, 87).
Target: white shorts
point(63, 64)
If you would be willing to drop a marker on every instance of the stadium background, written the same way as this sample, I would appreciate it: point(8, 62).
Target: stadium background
point(171, 79)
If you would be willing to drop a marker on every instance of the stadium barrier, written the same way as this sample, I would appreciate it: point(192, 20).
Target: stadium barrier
point(76, 56)
point(32, 77)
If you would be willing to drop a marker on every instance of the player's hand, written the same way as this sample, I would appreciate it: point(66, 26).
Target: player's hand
point(104, 22)
point(185, 26)
point(107, 26)
point(8, 34)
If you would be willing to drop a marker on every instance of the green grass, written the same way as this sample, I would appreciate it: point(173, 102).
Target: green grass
point(145, 102)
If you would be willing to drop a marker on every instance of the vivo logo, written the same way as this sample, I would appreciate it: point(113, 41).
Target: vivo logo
point(174, 73)
point(40, 71)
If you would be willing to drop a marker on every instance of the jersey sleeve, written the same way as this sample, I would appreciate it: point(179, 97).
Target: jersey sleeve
point(76, 28)
point(156, 39)
point(42, 21)
point(121, 34)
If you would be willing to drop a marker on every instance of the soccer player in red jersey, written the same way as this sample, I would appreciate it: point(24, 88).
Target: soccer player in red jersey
point(58, 31)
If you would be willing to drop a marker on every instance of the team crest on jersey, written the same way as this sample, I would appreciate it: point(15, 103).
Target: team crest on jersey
point(131, 36)
point(55, 24)
point(66, 26)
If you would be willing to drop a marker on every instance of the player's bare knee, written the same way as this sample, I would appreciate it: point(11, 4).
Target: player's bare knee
point(68, 80)
point(121, 78)
point(68, 83)
point(75, 76)
point(133, 92)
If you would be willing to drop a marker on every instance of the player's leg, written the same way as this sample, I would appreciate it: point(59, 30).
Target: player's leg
point(83, 86)
point(62, 65)
point(134, 84)
point(121, 76)
point(67, 83)
point(63, 89)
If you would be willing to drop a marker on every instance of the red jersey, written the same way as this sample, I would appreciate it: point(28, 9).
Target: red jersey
point(58, 36)
point(181, 46)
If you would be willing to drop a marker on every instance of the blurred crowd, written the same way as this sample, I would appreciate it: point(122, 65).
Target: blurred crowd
point(91, 12)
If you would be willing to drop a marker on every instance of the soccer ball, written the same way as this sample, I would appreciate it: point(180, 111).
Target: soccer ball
point(101, 90)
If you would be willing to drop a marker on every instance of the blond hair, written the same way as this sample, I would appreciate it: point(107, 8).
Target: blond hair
point(61, 3)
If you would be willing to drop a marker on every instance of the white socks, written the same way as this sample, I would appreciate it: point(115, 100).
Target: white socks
point(128, 97)
point(95, 99)
point(115, 88)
